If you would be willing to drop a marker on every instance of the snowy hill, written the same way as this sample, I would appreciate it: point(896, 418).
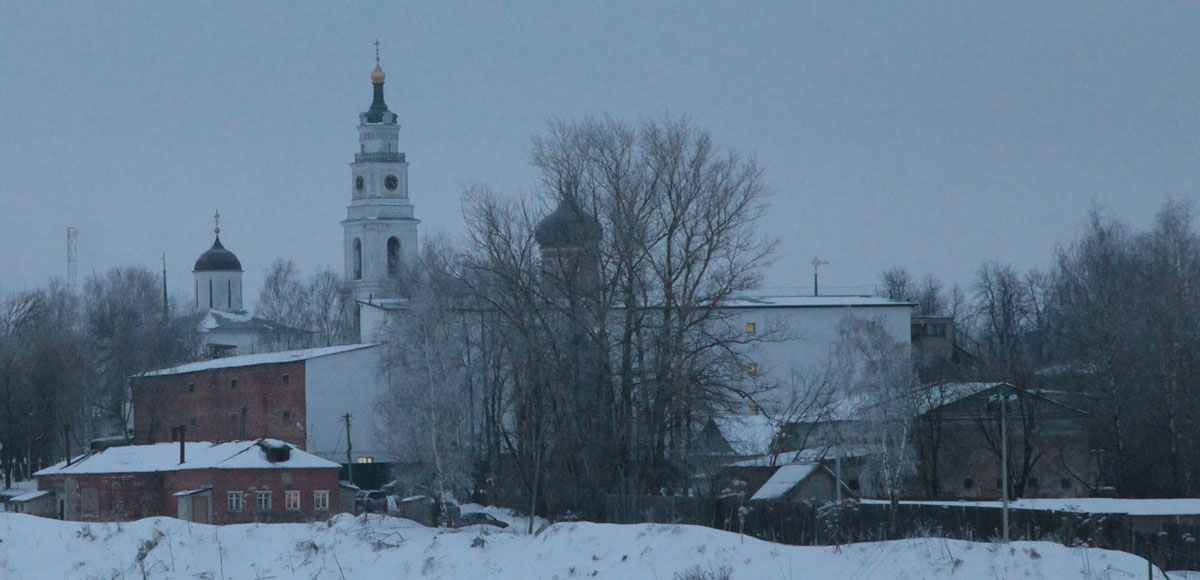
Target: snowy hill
point(382, 547)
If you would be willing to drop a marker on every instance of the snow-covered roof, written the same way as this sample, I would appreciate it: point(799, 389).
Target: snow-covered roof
point(385, 303)
point(1089, 505)
point(809, 455)
point(256, 359)
point(784, 479)
point(748, 434)
point(220, 321)
point(30, 496)
point(767, 301)
point(940, 394)
point(197, 455)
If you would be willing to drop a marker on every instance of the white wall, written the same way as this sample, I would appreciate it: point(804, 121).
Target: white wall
point(814, 331)
point(338, 384)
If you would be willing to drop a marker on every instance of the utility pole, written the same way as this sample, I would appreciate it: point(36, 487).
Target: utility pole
point(72, 258)
point(1004, 399)
point(817, 263)
point(349, 447)
point(166, 310)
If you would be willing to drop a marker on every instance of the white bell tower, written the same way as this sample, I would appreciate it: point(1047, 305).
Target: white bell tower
point(380, 230)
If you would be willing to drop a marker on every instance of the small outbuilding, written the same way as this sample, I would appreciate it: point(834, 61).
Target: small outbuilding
point(800, 482)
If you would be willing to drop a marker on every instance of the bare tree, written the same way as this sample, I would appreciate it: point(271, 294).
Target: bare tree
point(284, 297)
point(128, 334)
point(424, 412)
point(883, 379)
point(325, 307)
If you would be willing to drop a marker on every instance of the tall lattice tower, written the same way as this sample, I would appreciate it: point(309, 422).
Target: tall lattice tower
point(72, 258)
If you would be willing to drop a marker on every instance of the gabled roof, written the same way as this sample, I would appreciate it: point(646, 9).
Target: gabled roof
point(748, 434)
point(197, 455)
point(784, 479)
point(257, 359)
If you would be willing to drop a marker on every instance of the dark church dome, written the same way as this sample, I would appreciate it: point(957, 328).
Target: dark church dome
point(217, 258)
point(567, 227)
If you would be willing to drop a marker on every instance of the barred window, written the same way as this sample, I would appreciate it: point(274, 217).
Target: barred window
point(235, 501)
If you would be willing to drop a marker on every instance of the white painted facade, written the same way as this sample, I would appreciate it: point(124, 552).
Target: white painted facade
point(380, 231)
point(812, 325)
point(219, 290)
point(337, 384)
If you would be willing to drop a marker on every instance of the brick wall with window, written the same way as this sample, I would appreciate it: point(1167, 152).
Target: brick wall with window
point(262, 495)
point(271, 394)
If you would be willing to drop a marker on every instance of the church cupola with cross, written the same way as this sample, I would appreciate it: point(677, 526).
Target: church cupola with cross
point(380, 232)
point(218, 276)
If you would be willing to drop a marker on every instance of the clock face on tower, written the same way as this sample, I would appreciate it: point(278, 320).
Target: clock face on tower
point(358, 183)
point(391, 182)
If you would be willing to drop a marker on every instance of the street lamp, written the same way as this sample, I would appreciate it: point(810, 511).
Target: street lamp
point(1003, 400)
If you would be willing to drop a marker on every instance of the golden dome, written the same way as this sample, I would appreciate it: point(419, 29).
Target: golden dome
point(377, 75)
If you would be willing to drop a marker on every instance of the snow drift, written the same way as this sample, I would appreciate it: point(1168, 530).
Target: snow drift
point(383, 547)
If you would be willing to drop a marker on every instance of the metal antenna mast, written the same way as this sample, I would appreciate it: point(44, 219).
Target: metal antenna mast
point(72, 258)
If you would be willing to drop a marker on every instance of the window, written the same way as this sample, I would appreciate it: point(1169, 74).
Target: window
point(393, 258)
point(365, 460)
point(191, 387)
point(291, 499)
point(968, 483)
point(321, 500)
point(233, 384)
point(285, 379)
point(752, 369)
point(193, 421)
point(356, 259)
point(999, 483)
point(264, 500)
point(751, 328)
point(234, 501)
point(233, 418)
point(753, 409)
point(286, 478)
point(1065, 483)
point(287, 415)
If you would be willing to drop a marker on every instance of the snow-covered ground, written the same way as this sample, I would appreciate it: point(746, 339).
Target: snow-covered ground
point(384, 547)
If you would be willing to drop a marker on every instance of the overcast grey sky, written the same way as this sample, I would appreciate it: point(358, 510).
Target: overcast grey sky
point(930, 136)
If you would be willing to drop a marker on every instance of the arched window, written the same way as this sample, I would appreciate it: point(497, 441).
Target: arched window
point(357, 259)
point(393, 257)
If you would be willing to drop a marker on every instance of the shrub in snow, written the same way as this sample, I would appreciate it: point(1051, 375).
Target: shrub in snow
point(698, 572)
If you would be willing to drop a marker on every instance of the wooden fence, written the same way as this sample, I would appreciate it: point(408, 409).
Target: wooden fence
point(1175, 547)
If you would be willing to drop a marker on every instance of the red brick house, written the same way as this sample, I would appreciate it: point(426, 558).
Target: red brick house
point(220, 483)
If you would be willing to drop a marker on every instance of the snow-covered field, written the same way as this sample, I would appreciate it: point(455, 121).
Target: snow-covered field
point(383, 547)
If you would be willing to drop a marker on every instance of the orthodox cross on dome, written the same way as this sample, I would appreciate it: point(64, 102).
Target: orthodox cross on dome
point(217, 222)
point(817, 263)
point(376, 51)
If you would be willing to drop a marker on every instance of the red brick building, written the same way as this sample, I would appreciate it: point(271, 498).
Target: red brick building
point(299, 396)
point(221, 483)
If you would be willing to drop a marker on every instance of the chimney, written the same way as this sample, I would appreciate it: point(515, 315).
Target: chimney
point(182, 437)
point(67, 442)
